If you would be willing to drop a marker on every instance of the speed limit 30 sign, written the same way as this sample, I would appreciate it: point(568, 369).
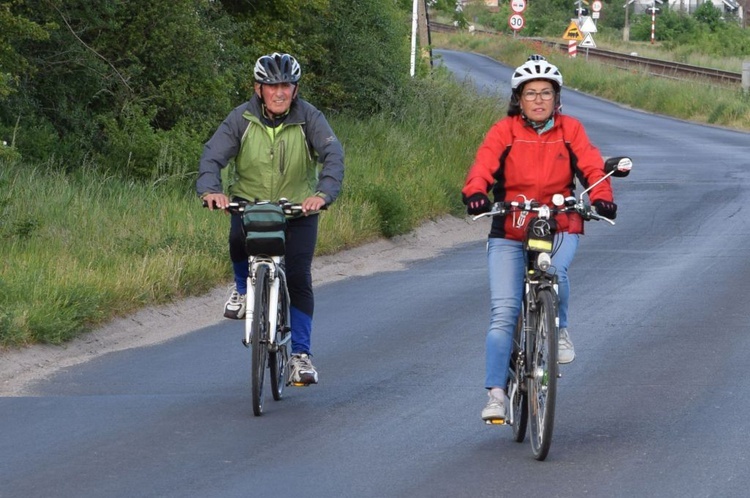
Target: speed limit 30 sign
point(516, 22)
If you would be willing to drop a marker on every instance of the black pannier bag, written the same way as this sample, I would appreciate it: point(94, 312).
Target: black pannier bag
point(265, 229)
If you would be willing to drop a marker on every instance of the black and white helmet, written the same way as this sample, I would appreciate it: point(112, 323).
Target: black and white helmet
point(536, 69)
point(277, 68)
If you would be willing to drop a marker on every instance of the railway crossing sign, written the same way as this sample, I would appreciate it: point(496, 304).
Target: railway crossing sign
point(573, 33)
point(588, 42)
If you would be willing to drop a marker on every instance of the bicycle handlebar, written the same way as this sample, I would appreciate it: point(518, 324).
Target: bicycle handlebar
point(545, 211)
point(290, 209)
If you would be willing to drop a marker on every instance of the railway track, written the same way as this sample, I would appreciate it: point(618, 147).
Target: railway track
point(628, 62)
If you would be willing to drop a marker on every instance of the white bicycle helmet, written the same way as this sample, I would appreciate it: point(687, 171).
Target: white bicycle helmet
point(535, 70)
point(277, 68)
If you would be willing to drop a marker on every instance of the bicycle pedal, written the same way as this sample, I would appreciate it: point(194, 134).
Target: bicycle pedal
point(495, 421)
point(299, 384)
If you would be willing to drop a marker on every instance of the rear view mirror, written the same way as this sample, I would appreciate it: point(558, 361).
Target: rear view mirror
point(618, 166)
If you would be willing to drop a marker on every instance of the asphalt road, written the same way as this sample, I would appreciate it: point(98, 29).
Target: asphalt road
point(654, 404)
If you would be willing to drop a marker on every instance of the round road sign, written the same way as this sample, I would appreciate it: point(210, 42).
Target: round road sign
point(596, 5)
point(516, 22)
point(518, 6)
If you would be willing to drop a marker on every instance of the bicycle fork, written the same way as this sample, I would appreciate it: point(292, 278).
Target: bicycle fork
point(275, 274)
point(273, 299)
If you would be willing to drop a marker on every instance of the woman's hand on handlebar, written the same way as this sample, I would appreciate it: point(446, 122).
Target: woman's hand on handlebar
point(216, 201)
point(478, 204)
point(606, 209)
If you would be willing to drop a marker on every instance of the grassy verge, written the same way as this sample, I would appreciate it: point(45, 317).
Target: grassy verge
point(694, 100)
point(81, 248)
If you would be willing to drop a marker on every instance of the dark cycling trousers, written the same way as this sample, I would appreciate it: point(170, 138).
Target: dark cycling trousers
point(301, 237)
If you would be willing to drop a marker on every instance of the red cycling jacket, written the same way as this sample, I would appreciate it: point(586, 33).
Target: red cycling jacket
point(517, 163)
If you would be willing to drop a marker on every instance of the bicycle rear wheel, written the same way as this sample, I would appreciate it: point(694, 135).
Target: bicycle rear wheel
point(277, 362)
point(260, 336)
point(541, 348)
point(517, 379)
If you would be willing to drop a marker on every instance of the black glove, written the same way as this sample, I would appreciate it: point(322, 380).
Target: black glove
point(606, 209)
point(477, 204)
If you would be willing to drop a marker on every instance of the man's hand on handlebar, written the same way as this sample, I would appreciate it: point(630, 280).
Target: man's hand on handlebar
point(312, 204)
point(216, 201)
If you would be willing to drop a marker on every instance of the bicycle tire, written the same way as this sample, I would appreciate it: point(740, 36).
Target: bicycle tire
point(518, 374)
point(260, 337)
point(542, 381)
point(279, 359)
point(278, 362)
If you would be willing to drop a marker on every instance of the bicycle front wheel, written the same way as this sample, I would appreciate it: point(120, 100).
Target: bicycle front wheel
point(279, 359)
point(260, 334)
point(541, 348)
point(517, 375)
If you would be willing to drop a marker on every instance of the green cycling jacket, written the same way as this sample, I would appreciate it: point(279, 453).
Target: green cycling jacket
point(297, 159)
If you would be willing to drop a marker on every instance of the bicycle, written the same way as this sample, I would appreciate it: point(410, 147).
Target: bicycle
point(267, 314)
point(533, 369)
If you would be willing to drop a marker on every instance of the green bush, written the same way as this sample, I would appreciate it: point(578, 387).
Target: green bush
point(116, 84)
point(368, 59)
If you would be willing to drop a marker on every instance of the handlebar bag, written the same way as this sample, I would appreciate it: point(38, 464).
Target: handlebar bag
point(265, 230)
point(540, 234)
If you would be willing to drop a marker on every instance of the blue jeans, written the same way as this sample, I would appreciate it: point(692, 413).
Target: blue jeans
point(506, 261)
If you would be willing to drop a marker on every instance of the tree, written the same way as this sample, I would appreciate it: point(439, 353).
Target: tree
point(366, 61)
point(122, 84)
point(13, 29)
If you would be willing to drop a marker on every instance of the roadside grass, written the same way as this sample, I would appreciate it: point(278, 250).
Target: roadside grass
point(691, 100)
point(82, 248)
point(687, 54)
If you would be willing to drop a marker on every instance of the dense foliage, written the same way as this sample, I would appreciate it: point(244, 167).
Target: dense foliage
point(137, 87)
point(705, 30)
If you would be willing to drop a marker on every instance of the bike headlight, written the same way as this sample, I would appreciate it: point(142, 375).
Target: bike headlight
point(543, 261)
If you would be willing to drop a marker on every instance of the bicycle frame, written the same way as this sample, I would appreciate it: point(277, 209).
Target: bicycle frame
point(276, 273)
point(536, 277)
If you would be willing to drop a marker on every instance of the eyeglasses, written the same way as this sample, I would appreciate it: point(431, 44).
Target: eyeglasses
point(531, 95)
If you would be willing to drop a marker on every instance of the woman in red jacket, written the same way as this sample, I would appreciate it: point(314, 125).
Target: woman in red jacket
point(532, 154)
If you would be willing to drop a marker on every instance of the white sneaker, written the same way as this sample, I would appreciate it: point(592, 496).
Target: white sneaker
point(301, 370)
point(235, 306)
point(565, 351)
point(495, 409)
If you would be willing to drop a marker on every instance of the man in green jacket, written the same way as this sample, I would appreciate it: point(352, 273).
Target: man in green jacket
point(283, 147)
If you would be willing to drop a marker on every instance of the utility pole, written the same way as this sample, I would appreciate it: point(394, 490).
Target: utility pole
point(414, 32)
point(626, 29)
point(420, 31)
point(423, 21)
